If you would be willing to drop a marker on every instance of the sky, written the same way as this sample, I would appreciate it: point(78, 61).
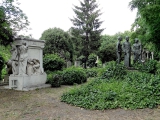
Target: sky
point(45, 14)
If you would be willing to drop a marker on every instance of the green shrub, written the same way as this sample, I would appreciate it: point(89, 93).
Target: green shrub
point(1, 65)
point(91, 60)
point(114, 70)
point(53, 62)
point(91, 72)
point(74, 75)
point(149, 66)
point(158, 68)
point(56, 80)
point(136, 90)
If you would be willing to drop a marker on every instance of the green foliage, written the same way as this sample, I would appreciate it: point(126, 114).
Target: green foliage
point(12, 20)
point(136, 90)
point(52, 62)
point(5, 54)
point(113, 70)
point(87, 26)
point(107, 53)
point(148, 67)
point(57, 79)
point(1, 64)
point(146, 24)
point(59, 42)
point(91, 60)
point(95, 72)
point(74, 75)
point(158, 68)
point(91, 72)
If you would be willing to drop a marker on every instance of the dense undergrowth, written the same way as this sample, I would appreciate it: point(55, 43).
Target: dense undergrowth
point(131, 90)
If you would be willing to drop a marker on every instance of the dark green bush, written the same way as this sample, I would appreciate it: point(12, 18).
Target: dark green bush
point(1, 64)
point(56, 80)
point(149, 66)
point(91, 60)
point(74, 75)
point(114, 70)
point(91, 72)
point(158, 68)
point(52, 62)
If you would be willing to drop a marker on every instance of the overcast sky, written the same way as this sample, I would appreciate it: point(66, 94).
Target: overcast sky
point(45, 14)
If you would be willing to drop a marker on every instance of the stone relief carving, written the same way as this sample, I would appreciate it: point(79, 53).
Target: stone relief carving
point(33, 67)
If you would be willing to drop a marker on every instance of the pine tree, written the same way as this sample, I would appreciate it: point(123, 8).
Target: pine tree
point(87, 24)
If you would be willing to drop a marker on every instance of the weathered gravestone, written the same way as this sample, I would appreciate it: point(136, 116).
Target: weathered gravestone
point(77, 63)
point(27, 64)
point(69, 64)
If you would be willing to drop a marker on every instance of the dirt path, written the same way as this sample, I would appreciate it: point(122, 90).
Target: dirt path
point(44, 104)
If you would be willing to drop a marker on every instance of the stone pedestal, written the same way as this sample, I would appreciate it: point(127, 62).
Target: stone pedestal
point(32, 73)
point(25, 81)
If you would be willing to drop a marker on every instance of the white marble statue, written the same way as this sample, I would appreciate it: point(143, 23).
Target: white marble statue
point(22, 50)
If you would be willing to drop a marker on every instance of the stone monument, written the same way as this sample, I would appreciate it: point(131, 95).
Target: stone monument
point(127, 52)
point(27, 64)
point(137, 50)
point(119, 49)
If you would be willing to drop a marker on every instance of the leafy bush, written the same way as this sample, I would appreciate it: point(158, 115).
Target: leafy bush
point(52, 62)
point(149, 66)
point(56, 82)
point(54, 78)
point(74, 75)
point(91, 60)
point(91, 72)
point(1, 64)
point(95, 72)
point(158, 68)
point(136, 90)
point(114, 70)
point(5, 54)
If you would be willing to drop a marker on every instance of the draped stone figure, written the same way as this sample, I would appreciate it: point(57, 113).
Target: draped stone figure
point(137, 50)
point(22, 50)
point(127, 52)
point(14, 59)
point(119, 49)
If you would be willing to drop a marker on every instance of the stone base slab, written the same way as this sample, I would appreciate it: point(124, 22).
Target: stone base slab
point(23, 82)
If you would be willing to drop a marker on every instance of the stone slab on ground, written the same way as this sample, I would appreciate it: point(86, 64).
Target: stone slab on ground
point(31, 87)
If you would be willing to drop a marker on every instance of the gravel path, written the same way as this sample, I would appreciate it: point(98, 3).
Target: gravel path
point(44, 104)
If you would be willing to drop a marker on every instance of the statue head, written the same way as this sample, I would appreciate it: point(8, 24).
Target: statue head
point(127, 38)
point(119, 38)
point(136, 40)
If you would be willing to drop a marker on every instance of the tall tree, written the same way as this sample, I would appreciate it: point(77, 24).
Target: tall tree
point(87, 25)
point(12, 20)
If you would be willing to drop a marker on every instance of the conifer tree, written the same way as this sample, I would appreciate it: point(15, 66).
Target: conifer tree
point(87, 24)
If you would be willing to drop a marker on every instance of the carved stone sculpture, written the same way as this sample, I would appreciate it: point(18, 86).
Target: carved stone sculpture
point(14, 59)
point(137, 50)
point(33, 67)
point(22, 50)
point(119, 49)
point(127, 52)
point(27, 64)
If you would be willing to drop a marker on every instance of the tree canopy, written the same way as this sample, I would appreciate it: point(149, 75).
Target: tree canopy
point(86, 25)
point(58, 41)
point(12, 20)
point(146, 24)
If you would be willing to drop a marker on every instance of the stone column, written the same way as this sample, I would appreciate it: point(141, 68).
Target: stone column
point(152, 53)
point(147, 54)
